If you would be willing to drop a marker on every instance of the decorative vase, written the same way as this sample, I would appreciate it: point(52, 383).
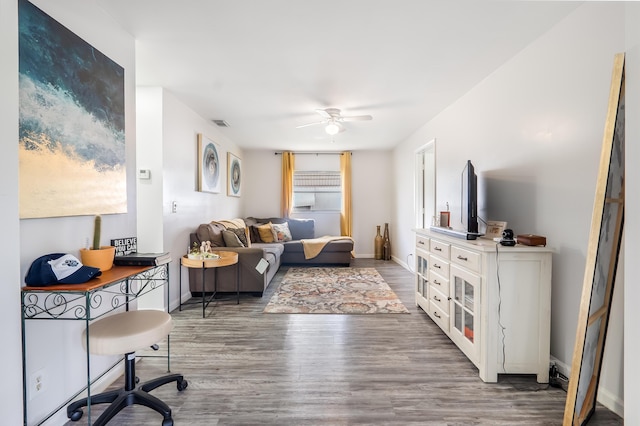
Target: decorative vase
point(377, 244)
point(386, 245)
point(101, 258)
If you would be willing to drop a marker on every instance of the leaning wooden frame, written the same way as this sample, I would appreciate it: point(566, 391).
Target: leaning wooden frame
point(602, 260)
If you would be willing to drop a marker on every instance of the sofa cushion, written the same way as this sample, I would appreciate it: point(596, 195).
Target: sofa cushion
point(332, 246)
point(231, 239)
point(211, 232)
point(281, 232)
point(266, 233)
point(301, 228)
point(241, 233)
point(254, 234)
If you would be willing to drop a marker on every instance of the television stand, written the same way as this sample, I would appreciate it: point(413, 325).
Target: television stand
point(453, 233)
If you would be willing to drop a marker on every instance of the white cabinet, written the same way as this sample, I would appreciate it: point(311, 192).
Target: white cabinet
point(493, 302)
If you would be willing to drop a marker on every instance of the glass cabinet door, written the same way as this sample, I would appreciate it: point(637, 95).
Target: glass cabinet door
point(422, 273)
point(465, 307)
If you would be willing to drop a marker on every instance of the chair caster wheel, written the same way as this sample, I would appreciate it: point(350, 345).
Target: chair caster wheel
point(76, 415)
point(182, 385)
point(167, 422)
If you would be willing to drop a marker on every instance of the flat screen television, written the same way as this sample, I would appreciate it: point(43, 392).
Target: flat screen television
point(469, 199)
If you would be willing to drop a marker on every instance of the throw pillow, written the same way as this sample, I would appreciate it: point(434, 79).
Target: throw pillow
point(211, 232)
point(254, 234)
point(281, 232)
point(266, 234)
point(242, 235)
point(231, 239)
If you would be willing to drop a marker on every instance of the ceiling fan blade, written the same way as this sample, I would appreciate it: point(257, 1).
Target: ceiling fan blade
point(356, 118)
point(324, 113)
point(309, 124)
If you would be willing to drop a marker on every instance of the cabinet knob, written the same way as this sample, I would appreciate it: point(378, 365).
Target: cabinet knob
point(437, 299)
point(462, 258)
point(437, 249)
point(436, 314)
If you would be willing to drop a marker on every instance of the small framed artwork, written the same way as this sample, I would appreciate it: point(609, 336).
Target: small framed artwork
point(208, 165)
point(234, 175)
point(494, 229)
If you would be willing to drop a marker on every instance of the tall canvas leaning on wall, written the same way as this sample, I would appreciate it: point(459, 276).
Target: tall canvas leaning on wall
point(72, 122)
point(605, 238)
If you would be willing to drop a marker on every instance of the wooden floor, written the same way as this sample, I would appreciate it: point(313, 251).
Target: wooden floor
point(249, 368)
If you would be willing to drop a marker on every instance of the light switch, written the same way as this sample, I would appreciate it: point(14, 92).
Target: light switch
point(144, 174)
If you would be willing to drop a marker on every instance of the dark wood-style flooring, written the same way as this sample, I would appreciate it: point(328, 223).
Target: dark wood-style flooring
point(249, 368)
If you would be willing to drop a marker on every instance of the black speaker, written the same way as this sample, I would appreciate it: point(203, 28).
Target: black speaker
point(507, 238)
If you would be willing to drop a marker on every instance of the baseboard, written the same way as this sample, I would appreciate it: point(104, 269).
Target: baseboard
point(611, 401)
point(401, 263)
point(606, 398)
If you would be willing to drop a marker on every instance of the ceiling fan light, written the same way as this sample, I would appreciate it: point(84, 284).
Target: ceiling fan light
point(332, 129)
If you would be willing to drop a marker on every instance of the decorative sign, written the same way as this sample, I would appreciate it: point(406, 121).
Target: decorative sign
point(125, 246)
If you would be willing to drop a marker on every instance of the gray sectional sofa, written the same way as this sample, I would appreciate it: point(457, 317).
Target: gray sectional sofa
point(275, 253)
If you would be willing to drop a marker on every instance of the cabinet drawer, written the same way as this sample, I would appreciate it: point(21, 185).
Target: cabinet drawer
point(466, 258)
point(436, 264)
point(439, 283)
point(439, 299)
point(439, 248)
point(439, 317)
point(422, 243)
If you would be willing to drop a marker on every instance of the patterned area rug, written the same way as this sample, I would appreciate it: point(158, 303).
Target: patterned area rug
point(334, 291)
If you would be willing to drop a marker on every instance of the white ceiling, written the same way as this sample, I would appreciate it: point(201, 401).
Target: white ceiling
point(264, 66)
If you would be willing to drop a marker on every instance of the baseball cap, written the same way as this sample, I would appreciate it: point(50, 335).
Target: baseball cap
point(59, 268)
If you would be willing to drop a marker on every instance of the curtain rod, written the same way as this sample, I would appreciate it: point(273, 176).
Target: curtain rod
point(314, 153)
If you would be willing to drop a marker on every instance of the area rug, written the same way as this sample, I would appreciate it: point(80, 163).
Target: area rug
point(334, 291)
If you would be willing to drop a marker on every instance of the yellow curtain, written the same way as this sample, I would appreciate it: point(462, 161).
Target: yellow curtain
point(346, 215)
point(286, 203)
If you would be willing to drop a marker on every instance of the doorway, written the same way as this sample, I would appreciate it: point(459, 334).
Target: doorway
point(425, 184)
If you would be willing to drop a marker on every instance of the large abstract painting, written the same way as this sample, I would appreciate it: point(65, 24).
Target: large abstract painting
point(72, 122)
point(607, 225)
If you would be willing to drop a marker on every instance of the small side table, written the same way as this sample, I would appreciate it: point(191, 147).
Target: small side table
point(227, 258)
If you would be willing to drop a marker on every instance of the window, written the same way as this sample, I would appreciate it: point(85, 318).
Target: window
point(317, 191)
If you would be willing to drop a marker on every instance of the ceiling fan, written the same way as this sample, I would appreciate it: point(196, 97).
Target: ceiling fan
point(333, 119)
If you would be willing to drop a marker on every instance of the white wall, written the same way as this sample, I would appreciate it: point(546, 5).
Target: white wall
point(372, 186)
point(53, 346)
point(632, 212)
point(533, 129)
point(168, 147)
point(11, 365)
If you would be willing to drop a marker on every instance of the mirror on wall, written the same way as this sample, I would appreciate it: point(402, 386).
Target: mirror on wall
point(425, 184)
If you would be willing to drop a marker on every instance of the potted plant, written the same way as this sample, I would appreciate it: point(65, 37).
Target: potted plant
point(98, 256)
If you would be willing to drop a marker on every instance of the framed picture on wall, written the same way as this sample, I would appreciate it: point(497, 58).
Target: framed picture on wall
point(208, 165)
point(234, 175)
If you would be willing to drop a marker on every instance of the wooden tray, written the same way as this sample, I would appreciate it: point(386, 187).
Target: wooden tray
point(532, 240)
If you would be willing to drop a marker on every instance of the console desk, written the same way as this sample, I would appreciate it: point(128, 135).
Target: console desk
point(492, 301)
point(113, 289)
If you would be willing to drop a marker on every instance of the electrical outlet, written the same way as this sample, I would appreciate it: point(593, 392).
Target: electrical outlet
point(37, 384)
point(174, 207)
